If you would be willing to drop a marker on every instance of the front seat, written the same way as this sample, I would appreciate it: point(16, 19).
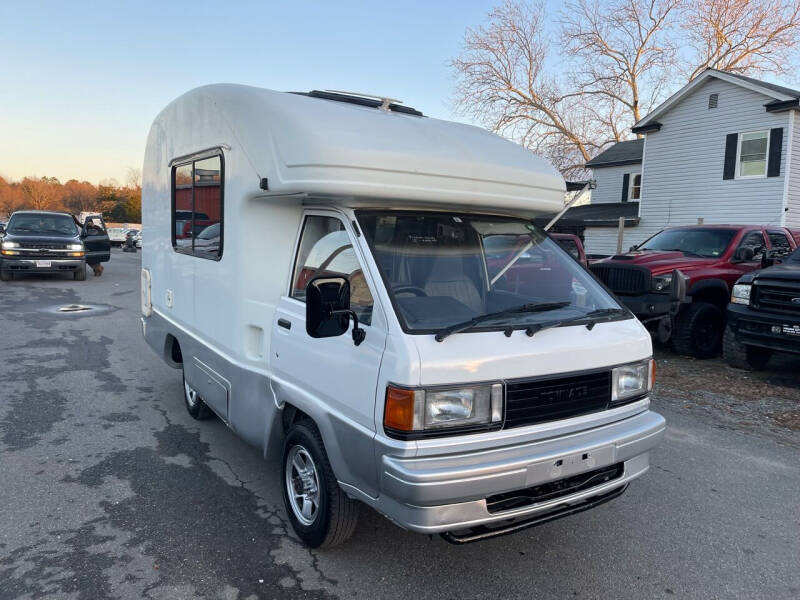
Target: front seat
point(448, 277)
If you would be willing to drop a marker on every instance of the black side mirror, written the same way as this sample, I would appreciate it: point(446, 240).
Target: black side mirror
point(2, 229)
point(633, 248)
point(328, 308)
point(743, 254)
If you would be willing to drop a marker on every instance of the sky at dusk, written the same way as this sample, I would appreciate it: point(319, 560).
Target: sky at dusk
point(82, 81)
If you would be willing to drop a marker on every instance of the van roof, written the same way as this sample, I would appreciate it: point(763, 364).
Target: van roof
point(319, 144)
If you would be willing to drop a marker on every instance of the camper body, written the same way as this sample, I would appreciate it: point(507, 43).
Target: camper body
point(256, 201)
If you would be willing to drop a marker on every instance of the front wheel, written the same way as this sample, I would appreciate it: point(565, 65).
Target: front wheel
point(6, 275)
point(80, 273)
point(698, 330)
point(321, 514)
point(743, 356)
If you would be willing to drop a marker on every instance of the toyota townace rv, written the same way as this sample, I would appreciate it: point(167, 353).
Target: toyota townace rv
point(361, 290)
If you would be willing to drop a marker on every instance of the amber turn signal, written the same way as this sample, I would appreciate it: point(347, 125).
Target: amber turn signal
point(399, 411)
point(652, 373)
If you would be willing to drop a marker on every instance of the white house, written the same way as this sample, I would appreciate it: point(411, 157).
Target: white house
point(723, 149)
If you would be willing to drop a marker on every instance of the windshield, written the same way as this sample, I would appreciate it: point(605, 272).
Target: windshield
point(444, 269)
point(706, 243)
point(42, 224)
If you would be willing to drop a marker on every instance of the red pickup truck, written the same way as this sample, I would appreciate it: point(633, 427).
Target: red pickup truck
point(679, 281)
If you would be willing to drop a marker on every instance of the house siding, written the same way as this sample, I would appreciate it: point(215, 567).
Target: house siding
point(792, 215)
point(603, 240)
point(609, 182)
point(682, 177)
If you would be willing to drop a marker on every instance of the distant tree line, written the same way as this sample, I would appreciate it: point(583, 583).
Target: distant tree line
point(117, 203)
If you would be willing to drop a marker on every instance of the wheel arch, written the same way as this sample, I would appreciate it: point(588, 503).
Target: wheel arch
point(713, 291)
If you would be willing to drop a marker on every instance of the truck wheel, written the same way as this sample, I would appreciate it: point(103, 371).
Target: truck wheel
point(698, 330)
point(6, 275)
point(321, 514)
point(80, 274)
point(194, 403)
point(743, 356)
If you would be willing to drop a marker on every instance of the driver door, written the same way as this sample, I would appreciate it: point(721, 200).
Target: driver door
point(96, 241)
point(332, 373)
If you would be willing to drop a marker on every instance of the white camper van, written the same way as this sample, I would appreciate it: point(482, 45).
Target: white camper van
point(360, 289)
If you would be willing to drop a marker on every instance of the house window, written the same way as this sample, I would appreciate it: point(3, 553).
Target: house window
point(713, 100)
point(636, 186)
point(197, 207)
point(753, 153)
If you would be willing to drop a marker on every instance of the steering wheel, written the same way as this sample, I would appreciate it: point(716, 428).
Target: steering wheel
point(410, 289)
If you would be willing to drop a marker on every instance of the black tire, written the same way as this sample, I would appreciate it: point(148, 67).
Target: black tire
point(6, 275)
point(742, 356)
point(335, 517)
point(80, 274)
point(698, 330)
point(195, 405)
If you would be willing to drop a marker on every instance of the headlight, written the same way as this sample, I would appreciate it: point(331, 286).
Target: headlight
point(631, 381)
point(10, 245)
point(662, 283)
point(74, 246)
point(418, 411)
point(741, 293)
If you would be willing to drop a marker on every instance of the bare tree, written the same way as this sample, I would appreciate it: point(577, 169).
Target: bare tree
point(742, 36)
point(615, 62)
point(133, 178)
point(504, 83)
point(625, 55)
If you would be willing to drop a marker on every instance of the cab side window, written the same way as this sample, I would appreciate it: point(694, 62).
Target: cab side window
point(325, 249)
point(197, 207)
point(780, 243)
point(755, 241)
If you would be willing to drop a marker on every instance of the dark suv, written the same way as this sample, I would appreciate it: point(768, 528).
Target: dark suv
point(36, 241)
point(764, 314)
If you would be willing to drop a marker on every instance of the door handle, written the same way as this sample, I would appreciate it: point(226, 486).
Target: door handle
point(284, 323)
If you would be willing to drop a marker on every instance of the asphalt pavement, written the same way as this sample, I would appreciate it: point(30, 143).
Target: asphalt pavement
point(108, 489)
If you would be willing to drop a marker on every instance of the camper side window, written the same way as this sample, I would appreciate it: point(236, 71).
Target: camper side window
point(325, 248)
point(197, 207)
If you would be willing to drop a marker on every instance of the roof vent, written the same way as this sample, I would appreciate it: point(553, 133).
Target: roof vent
point(713, 99)
point(380, 102)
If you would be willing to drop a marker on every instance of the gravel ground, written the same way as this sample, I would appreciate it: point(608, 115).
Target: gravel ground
point(766, 402)
point(108, 489)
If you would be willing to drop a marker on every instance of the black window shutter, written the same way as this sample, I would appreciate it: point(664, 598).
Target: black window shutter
point(774, 152)
point(625, 180)
point(729, 170)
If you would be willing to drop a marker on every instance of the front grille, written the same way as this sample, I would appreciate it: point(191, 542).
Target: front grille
point(538, 400)
point(779, 297)
point(623, 279)
point(553, 489)
point(32, 245)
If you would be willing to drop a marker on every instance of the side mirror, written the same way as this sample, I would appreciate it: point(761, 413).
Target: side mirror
point(328, 308)
point(2, 229)
point(633, 248)
point(743, 254)
point(680, 283)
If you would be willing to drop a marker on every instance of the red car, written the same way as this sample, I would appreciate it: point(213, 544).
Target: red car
point(678, 282)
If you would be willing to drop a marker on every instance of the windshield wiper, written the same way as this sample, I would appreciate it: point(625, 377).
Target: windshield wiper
point(593, 314)
point(524, 308)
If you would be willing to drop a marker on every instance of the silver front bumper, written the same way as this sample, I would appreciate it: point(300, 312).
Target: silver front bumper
point(448, 492)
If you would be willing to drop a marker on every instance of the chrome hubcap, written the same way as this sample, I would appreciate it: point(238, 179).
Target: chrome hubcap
point(191, 395)
point(302, 485)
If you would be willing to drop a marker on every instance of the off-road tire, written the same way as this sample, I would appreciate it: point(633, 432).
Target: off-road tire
point(698, 330)
point(6, 275)
point(197, 409)
point(80, 274)
point(337, 514)
point(742, 356)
